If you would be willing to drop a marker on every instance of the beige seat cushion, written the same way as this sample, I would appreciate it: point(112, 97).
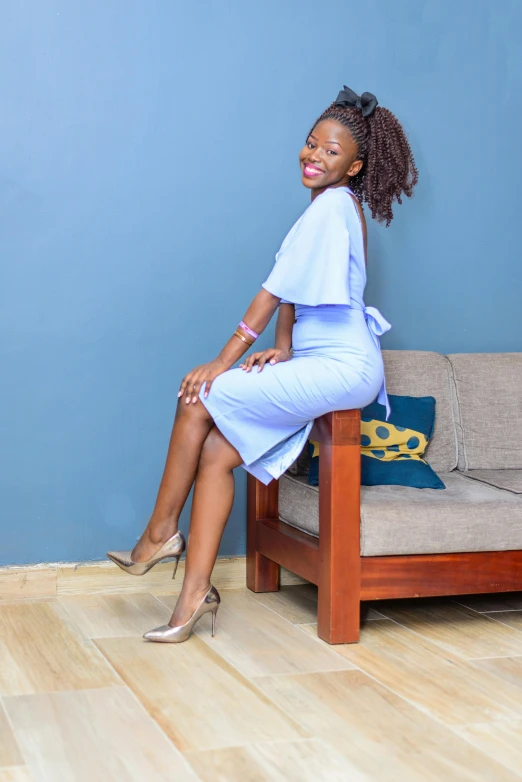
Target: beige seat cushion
point(489, 412)
point(424, 373)
point(468, 515)
point(511, 480)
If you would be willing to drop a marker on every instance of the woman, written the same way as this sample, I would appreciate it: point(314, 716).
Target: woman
point(326, 357)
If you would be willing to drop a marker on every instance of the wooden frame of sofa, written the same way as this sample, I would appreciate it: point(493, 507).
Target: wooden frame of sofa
point(333, 560)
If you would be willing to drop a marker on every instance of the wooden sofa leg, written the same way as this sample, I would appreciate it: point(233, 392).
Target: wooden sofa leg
point(262, 574)
point(262, 503)
point(338, 615)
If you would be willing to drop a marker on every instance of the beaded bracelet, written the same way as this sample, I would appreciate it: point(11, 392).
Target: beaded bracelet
point(248, 330)
point(247, 341)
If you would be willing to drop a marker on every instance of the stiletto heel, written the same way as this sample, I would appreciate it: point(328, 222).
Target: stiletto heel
point(176, 563)
point(175, 635)
point(173, 547)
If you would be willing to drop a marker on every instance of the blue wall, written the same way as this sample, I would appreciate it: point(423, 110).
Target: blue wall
point(148, 174)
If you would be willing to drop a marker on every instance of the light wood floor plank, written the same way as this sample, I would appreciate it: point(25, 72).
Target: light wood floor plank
point(199, 700)
point(508, 669)
point(309, 760)
point(10, 600)
point(511, 618)
point(501, 741)
point(503, 601)
point(27, 582)
point(257, 641)
point(227, 574)
point(9, 752)
point(443, 686)
point(41, 650)
point(381, 734)
point(106, 578)
point(102, 734)
point(298, 604)
point(16, 774)
point(370, 612)
point(106, 616)
point(456, 628)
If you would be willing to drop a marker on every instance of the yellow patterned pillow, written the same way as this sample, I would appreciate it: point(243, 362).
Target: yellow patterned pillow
point(387, 442)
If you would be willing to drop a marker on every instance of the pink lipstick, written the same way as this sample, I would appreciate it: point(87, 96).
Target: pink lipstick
point(311, 171)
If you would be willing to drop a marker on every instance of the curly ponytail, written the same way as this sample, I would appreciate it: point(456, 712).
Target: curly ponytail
point(388, 170)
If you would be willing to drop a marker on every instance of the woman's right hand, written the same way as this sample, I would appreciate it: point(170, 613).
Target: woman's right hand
point(206, 373)
point(272, 355)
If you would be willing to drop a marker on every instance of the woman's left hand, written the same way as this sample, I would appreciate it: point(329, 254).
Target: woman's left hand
point(272, 355)
point(206, 373)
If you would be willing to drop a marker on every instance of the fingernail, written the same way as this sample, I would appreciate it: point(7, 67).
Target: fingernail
point(272, 361)
point(194, 399)
point(179, 394)
point(206, 394)
point(187, 400)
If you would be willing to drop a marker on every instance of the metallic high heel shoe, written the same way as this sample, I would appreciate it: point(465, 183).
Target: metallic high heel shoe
point(173, 547)
point(175, 635)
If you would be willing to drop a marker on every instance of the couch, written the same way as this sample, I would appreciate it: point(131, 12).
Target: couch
point(360, 543)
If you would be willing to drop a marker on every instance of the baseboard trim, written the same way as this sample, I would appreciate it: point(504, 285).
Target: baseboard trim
point(90, 578)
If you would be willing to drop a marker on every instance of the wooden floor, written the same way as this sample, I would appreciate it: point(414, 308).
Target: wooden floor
point(432, 692)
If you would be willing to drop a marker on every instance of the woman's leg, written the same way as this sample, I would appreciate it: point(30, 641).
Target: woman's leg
point(211, 506)
point(191, 427)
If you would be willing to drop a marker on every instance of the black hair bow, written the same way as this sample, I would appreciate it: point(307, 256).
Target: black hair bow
point(365, 102)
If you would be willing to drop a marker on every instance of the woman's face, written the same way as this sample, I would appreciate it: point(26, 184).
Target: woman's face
point(329, 157)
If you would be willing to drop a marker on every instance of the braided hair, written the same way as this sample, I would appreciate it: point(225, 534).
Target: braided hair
point(388, 170)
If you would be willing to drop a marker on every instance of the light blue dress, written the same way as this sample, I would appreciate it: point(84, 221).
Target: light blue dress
point(337, 361)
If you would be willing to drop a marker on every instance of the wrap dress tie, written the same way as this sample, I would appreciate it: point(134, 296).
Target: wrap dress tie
point(378, 325)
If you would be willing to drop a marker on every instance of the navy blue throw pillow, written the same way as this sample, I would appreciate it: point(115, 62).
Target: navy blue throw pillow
point(392, 451)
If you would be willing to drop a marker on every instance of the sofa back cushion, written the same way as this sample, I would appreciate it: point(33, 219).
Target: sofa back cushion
point(424, 373)
point(488, 410)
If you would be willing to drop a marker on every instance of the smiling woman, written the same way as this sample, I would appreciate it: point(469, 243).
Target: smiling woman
point(374, 158)
point(326, 357)
point(325, 156)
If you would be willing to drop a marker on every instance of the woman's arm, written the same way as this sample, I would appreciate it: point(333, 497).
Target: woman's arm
point(285, 324)
point(257, 316)
point(283, 342)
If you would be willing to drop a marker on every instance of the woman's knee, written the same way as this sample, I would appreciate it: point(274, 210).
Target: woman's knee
point(195, 410)
point(217, 451)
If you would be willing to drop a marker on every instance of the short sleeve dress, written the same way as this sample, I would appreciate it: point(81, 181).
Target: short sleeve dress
point(337, 361)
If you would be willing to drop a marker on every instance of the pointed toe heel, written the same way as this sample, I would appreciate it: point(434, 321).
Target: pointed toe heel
point(172, 548)
point(175, 635)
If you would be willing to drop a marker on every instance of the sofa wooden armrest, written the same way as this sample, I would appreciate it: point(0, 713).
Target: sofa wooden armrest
point(333, 560)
